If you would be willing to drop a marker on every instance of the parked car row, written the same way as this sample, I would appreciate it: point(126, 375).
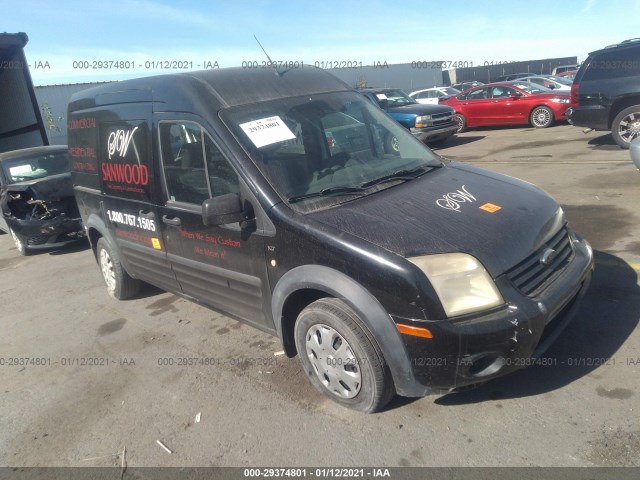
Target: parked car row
point(604, 95)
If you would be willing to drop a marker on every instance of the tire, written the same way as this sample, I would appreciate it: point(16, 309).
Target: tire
point(541, 117)
point(462, 122)
point(626, 126)
point(20, 246)
point(119, 284)
point(391, 144)
point(341, 357)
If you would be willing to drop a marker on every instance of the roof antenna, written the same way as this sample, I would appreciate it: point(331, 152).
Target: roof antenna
point(275, 66)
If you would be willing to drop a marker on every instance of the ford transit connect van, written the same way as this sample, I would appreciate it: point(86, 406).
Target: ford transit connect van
point(269, 196)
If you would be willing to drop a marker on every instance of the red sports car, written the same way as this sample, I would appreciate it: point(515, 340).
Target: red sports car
point(508, 103)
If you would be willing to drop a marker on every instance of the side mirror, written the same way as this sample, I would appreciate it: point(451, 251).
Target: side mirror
point(384, 103)
point(222, 210)
point(634, 150)
point(552, 86)
point(514, 96)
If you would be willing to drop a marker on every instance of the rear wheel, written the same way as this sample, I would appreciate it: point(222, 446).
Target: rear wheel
point(541, 117)
point(341, 358)
point(119, 284)
point(462, 122)
point(626, 126)
point(22, 248)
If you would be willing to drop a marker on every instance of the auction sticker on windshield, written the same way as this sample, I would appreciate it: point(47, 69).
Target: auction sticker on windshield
point(267, 131)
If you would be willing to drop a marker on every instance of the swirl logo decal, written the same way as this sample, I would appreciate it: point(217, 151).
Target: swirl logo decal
point(452, 200)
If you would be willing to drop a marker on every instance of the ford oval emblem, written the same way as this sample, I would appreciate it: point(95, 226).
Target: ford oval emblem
point(548, 256)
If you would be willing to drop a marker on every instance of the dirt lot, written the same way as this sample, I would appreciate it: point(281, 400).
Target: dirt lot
point(106, 381)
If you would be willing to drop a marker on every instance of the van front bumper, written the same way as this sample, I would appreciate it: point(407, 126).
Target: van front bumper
point(479, 347)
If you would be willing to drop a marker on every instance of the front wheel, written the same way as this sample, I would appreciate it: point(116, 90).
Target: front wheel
point(22, 248)
point(341, 358)
point(626, 126)
point(462, 122)
point(541, 117)
point(119, 284)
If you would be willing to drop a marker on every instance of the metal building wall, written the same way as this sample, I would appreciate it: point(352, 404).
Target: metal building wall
point(405, 76)
point(489, 73)
point(53, 101)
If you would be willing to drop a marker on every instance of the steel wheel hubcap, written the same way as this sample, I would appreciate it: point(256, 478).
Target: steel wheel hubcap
point(629, 127)
point(459, 120)
point(333, 361)
point(106, 265)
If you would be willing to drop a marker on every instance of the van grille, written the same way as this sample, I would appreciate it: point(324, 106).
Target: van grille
point(531, 276)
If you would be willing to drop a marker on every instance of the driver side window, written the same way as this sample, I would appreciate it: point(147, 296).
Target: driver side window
point(194, 168)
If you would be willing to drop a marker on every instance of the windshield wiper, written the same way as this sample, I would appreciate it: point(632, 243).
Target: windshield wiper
point(404, 175)
point(327, 192)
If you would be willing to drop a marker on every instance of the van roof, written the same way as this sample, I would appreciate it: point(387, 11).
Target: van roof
point(221, 88)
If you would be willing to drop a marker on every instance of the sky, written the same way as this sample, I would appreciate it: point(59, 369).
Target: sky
point(146, 36)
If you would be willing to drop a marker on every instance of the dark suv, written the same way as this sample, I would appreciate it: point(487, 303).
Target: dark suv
point(605, 94)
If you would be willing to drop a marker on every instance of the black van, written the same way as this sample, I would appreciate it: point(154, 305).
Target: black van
point(269, 196)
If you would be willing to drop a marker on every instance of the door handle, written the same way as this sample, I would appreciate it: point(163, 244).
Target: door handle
point(175, 221)
point(149, 215)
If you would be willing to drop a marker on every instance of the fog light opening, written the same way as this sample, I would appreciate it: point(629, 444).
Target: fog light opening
point(486, 365)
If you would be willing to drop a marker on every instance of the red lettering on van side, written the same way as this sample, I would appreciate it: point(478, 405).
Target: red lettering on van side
point(78, 123)
point(125, 173)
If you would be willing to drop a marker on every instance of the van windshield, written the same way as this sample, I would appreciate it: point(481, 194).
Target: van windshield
point(321, 150)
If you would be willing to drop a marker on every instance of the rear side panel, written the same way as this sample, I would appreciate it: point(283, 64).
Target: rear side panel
point(115, 180)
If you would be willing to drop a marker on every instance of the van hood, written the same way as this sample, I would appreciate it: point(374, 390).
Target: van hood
point(457, 208)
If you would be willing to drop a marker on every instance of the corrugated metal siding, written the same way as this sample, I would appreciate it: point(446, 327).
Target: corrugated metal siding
point(52, 101)
point(404, 76)
point(490, 73)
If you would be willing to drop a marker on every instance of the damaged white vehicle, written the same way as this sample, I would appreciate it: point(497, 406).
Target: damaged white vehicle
point(36, 199)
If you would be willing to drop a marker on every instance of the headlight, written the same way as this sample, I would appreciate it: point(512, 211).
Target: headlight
point(423, 121)
point(461, 282)
point(560, 100)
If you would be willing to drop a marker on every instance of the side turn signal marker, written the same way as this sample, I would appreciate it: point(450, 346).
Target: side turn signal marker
point(414, 331)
